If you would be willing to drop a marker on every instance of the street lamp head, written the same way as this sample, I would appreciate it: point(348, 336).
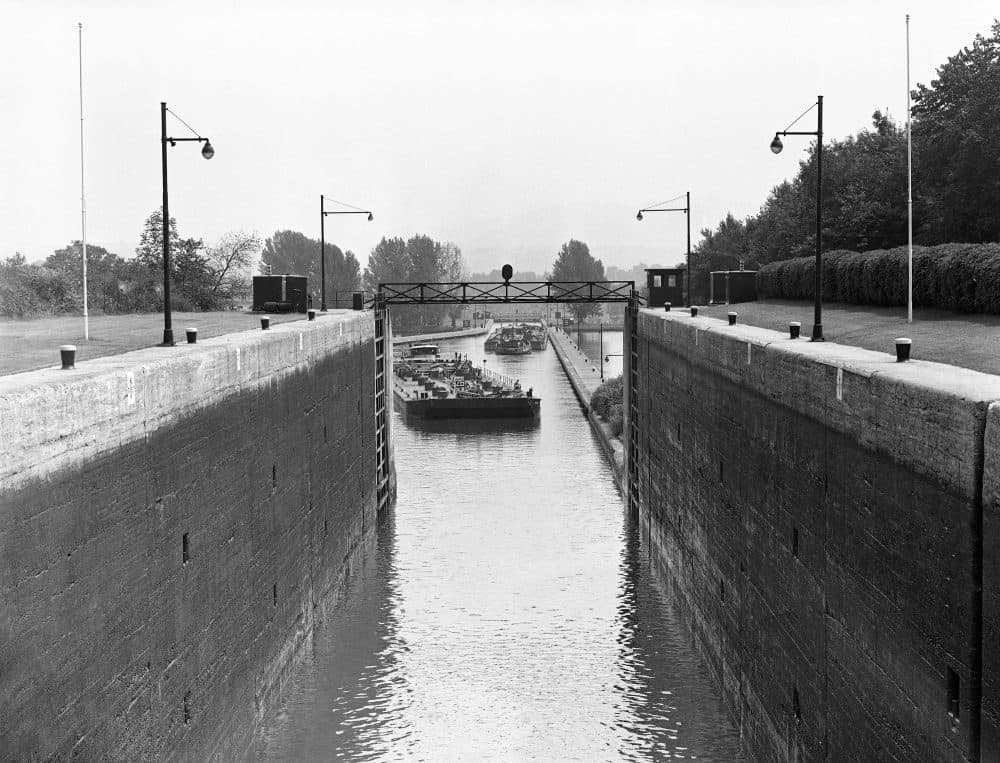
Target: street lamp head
point(370, 217)
point(776, 144)
point(207, 151)
point(639, 216)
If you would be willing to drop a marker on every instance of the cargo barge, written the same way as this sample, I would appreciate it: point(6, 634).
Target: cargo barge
point(429, 386)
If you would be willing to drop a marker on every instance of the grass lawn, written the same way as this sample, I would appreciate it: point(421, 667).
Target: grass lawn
point(29, 344)
point(959, 339)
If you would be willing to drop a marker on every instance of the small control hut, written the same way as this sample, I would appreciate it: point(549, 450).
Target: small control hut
point(665, 285)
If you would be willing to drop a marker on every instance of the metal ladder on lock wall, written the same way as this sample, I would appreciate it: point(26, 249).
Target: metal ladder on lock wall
point(632, 376)
point(383, 361)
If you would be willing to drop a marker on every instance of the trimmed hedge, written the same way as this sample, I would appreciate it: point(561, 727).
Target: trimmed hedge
point(960, 277)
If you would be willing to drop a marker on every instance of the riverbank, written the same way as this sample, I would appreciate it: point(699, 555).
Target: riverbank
point(439, 335)
point(576, 365)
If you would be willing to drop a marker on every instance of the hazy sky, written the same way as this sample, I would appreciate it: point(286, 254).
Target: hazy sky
point(506, 127)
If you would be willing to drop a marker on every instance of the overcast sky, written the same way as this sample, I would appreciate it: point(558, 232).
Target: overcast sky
point(506, 127)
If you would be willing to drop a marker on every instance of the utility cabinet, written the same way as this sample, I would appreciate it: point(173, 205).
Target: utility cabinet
point(280, 293)
point(727, 287)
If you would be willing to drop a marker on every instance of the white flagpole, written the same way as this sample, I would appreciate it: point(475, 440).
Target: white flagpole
point(909, 185)
point(83, 199)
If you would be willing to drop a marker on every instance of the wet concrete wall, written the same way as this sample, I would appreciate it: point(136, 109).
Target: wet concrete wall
point(821, 511)
point(172, 522)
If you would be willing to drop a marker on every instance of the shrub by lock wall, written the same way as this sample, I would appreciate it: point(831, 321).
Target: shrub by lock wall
point(960, 277)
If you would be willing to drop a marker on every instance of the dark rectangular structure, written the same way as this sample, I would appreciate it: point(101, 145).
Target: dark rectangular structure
point(665, 285)
point(727, 287)
point(280, 293)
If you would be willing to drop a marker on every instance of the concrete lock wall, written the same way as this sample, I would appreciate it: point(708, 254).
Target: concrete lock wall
point(820, 511)
point(170, 522)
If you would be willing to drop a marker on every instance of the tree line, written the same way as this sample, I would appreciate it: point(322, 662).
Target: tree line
point(214, 277)
point(955, 124)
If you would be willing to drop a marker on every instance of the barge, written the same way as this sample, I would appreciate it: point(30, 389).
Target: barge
point(427, 385)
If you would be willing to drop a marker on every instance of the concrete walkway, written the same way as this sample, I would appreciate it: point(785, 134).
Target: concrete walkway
point(419, 338)
point(574, 363)
point(958, 339)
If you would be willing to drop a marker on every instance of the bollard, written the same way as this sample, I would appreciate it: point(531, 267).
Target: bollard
point(666, 307)
point(265, 322)
point(694, 312)
point(794, 328)
point(732, 319)
point(312, 314)
point(903, 349)
point(192, 334)
point(68, 354)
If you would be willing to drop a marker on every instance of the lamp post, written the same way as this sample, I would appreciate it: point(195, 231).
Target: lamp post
point(206, 151)
point(322, 239)
point(606, 359)
point(686, 209)
point(776, 146)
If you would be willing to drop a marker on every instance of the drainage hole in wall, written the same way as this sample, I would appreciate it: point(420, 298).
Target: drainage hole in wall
point(795, 542)
point(185, 548)
point(326, 530)
point(187, 708)
point(274, 476)
point(722, 589)
point(796, 705)
point(274, 594)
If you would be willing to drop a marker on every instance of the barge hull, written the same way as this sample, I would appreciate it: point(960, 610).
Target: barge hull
point(472, 408)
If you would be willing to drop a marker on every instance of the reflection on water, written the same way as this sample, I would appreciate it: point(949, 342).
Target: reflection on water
point(507, 612)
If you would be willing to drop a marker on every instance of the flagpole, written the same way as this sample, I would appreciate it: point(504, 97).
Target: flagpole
point(83, 198)
point(909, 185)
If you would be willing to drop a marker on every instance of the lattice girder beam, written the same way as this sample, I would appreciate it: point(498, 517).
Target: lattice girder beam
point(510, 292)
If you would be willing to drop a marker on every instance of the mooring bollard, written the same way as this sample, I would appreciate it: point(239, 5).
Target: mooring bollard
point(903, 349)
point(666, 307)
point(732, 319)
point(694, 312)
point(794, 328)
point(68, 354)
point(192, 334)
point(265, 322)
point(312, 314)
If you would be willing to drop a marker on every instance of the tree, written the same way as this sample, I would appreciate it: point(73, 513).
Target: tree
point(103, 269)
point(150, 249)
point(387, 263)
point(420, 259)
point(452, 270)
point(574, 264)
point(190, 276)
point(343, 274)
point(229, 263)
point(27, 289)
point(864, 191)
point(289, 251)
point(956, 131)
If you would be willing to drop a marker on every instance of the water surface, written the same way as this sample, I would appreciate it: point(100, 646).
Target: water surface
point(506, 610)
